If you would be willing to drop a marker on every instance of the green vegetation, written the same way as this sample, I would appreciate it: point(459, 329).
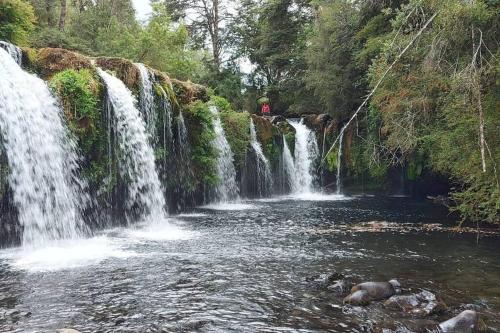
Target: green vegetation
point(435, 110)
point(17, 21)
point(236, 127)
point(201, 134)
point(80, 92)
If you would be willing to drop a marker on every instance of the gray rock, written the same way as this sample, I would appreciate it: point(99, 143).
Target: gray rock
point(359, 297)
point(465, 322)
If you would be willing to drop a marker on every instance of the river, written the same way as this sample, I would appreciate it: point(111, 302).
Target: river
point(248, 268)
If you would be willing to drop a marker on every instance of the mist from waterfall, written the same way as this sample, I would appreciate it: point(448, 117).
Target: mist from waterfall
point(338, 181)
point(226, 188)
point(136, 158)
point(41, 156)
point(146, 99)
point(306, 153)
point(263, 172)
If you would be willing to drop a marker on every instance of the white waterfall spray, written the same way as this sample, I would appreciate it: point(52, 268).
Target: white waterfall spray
point(137, 162)
point(339, 164)
point(227, 189)
point(14, 51)
point(264, 176)
point(289, 165)
point(306, 153)
point(146, 99)
point(41, 158)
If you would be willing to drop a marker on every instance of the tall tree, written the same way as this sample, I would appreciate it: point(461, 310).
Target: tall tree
point(207, 21)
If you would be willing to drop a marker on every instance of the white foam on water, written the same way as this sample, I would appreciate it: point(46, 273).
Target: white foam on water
point(229, 206)
point(166, 231)
point(317, 196)
point(192, 215)
point(66, 254)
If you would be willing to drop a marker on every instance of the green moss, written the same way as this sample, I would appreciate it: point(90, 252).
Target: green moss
point(237, 128)
point(201, 134)
point(80, 93)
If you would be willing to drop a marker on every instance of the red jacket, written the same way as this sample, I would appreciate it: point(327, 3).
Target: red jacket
point(266, 109)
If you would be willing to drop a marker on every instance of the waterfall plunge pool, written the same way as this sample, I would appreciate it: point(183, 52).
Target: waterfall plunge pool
point(247, 270)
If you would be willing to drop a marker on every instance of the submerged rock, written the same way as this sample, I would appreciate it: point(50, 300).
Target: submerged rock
point(421, 304)
point(465, 322)
point(324, 280)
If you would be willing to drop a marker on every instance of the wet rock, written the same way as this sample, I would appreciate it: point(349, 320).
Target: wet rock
point(421, 304)
point(465, 322)
point(363, 293)
point(358, 297)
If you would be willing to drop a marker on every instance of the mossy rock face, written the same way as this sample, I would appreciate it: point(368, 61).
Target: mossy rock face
point(237, 129)
point(188, 92)
point(123, 69)
point(49, 61)
point(317, 122)
point(264, 128)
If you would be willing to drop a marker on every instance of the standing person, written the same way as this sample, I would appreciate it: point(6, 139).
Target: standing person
point(266, 109)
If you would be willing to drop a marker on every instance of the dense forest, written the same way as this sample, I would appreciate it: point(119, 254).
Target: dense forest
point(415, 82)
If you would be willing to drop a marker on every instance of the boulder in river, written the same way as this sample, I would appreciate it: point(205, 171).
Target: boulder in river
point(359, 297)
point(375, 291)
point(465, 322)
point(420, 304)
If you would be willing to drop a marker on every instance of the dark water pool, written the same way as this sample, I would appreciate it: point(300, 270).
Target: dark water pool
point(247, 271)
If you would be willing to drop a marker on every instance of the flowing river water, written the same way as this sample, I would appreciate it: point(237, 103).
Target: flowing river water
point(250, 270)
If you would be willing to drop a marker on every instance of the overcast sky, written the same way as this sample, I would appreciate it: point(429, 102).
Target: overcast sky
point(143, 9)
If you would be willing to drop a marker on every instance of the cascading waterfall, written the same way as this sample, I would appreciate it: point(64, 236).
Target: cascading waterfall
point(146, 99)
point(166, 108)
point(289, 166)
point(182, 138)
point(339, 161)
point(41, 157)
point(137, 162)
point(264, 177)
point(14, 51)
point(306, 153)
point(226, 189)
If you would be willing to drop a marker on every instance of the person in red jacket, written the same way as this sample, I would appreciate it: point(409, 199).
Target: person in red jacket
point(266, 110)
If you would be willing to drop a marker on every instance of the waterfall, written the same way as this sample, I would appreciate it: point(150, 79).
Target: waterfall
point(41, 158)
point(182, 139)
point(339, 162)
point(306, 153)
point(226, 188)
point(137, 162)
point(288, 163)
point(146, 99)
point(14, 51)
point(264, 176)
point(166, 108)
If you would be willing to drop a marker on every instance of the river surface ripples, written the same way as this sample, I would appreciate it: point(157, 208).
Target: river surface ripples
point(247, 268)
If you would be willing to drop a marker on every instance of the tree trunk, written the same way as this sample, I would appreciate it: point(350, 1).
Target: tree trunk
point(215, 35)
point(49, 5)
point(62, 15)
